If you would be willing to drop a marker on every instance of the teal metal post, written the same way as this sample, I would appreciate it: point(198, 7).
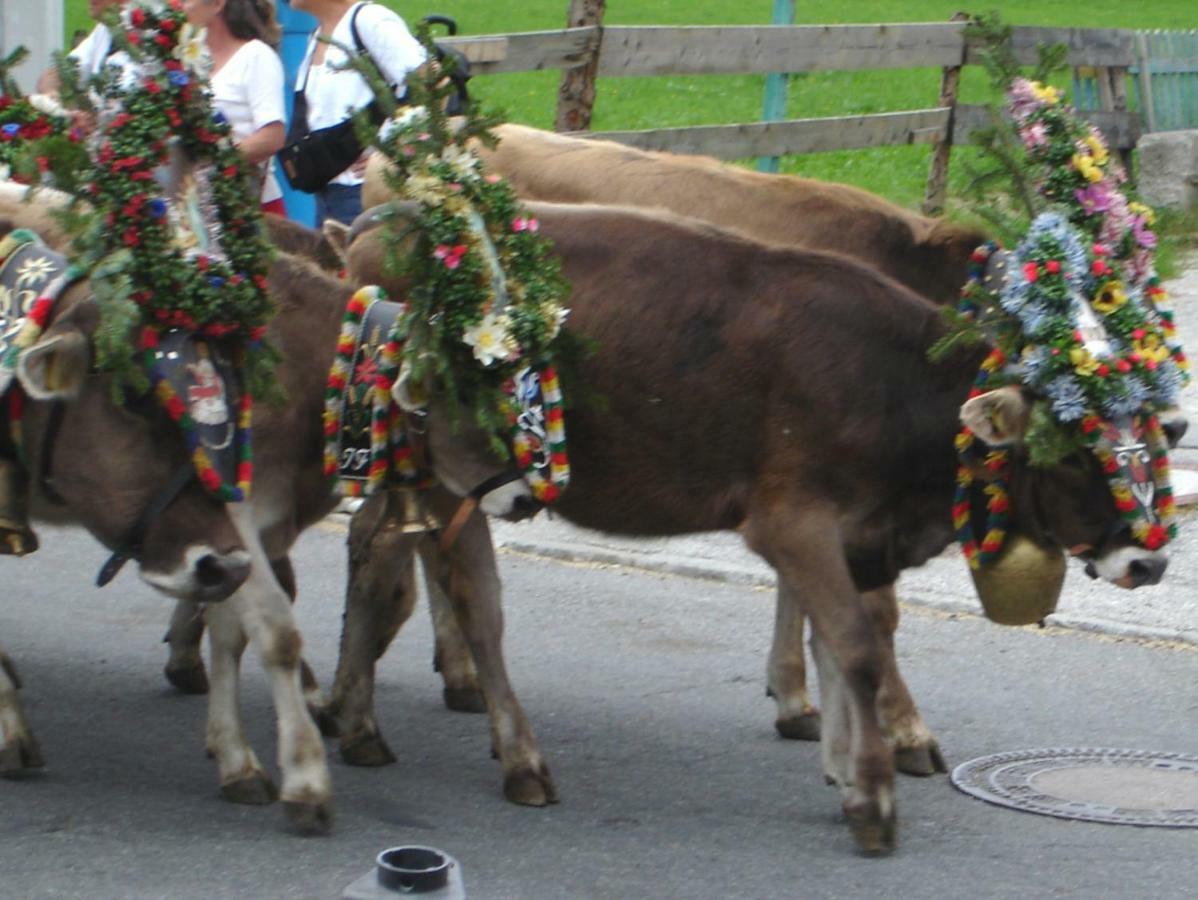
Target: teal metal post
point(297, 27)
point(775, 85)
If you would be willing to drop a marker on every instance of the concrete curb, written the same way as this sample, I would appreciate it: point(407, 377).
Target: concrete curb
point(728, 573)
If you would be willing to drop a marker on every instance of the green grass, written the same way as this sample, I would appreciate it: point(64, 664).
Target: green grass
point(623, 103)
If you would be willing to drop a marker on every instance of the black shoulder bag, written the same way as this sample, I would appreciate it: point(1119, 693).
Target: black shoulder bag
point(311, 159)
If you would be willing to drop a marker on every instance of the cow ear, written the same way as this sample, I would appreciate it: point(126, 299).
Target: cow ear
point(55, 367)
point(336, 235)
point(409, 394)
point(999, 417)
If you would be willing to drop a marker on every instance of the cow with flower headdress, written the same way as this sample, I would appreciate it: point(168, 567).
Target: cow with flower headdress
point(792, 395)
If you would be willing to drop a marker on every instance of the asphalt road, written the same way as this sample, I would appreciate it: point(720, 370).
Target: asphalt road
point(646, 692)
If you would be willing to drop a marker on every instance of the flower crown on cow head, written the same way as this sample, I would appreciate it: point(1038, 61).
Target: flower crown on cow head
point(1078, 317)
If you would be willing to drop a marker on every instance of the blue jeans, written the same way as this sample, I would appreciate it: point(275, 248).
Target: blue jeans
point(342, 202)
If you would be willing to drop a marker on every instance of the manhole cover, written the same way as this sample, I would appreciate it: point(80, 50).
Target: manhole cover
point(1122, 787)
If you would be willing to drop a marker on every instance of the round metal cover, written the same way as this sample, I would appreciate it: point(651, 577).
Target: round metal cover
point(1121, 787)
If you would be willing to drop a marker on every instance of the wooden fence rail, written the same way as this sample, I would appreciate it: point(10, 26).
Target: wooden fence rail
point(620, 51)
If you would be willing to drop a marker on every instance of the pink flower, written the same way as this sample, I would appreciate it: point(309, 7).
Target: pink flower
point(451, 256)
point(1095, 198)
point(525, 223)
point(1144, 235)
point(1035, 135)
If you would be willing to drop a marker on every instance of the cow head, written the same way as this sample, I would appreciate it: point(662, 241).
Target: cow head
point(1070, 504)
point(110, 461)
point(461, 453)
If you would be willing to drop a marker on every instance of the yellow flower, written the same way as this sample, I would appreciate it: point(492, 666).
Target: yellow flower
point(1097, 149)
point(1109, 298)
point(1083, 361)
point(1150, 347)
point(1085, 164)
point(1046, 94)
point(1144, 212)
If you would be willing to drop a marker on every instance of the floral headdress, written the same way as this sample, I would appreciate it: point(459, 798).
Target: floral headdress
point(169, 230)
point(484, 312)
point(1080, 319)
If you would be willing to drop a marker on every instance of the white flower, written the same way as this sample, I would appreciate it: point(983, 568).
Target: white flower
point(192, 50)
point(555, 318)
point(427, 189)
point(490, 338)
point(411, 117)
point(463, 162)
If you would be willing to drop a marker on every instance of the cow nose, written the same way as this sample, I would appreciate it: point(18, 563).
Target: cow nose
point(1175, 429)
point(217, 577)
point(1147, 571)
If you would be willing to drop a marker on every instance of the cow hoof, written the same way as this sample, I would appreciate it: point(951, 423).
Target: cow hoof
point(920, 761)
point(20, 757)
point(467, 700)
point(371, 751)
point(325, 720)
point(188, 679)
point(527, 787)
point(803, 727)
point(253, 790)
point(309, 818)
point(875, 834)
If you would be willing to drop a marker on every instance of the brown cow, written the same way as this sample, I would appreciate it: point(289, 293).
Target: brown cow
point(815, 426)
point(931, 256)
point(109, 462)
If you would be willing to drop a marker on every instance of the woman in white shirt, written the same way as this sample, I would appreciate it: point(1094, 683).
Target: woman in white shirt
point(333, 94)
point(247, 80)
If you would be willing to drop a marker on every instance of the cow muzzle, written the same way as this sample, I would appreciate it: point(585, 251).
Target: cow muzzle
point(1129, 567)
point(205, 575)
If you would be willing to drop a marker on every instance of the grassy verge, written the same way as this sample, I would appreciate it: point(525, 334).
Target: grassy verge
point(895, 172)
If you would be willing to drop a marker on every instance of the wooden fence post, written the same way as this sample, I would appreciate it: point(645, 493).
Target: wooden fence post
point(576, 95)
point(950, 82)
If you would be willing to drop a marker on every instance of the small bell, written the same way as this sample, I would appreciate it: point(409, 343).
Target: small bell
point(409, 512)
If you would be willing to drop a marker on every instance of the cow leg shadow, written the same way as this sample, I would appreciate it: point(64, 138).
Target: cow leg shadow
point(19, 750)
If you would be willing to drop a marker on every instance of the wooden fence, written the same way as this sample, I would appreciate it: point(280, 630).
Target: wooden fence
point(1164, 78)
point(598, 51)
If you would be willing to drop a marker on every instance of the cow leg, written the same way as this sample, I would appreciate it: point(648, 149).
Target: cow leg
point(452, 658)
point(916, 751)
point(470, 579)
point(264, 611)
point(786, 673)
point(19, 750)
point(184, 665)
point(380, 596)
point(806, 551)
point(284, 573)
point(242, 777)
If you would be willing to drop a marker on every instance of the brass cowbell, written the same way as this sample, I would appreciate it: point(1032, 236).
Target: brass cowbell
point(409, 511)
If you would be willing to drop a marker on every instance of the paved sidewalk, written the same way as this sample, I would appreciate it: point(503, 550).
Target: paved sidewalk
point(1168, 611)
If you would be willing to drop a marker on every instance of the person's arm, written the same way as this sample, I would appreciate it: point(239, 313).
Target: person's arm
point(47, 82)
point(264, 93)
point(390, 44)
point(263, 143)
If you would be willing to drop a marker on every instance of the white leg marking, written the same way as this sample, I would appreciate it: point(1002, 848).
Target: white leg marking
point(265, 613)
